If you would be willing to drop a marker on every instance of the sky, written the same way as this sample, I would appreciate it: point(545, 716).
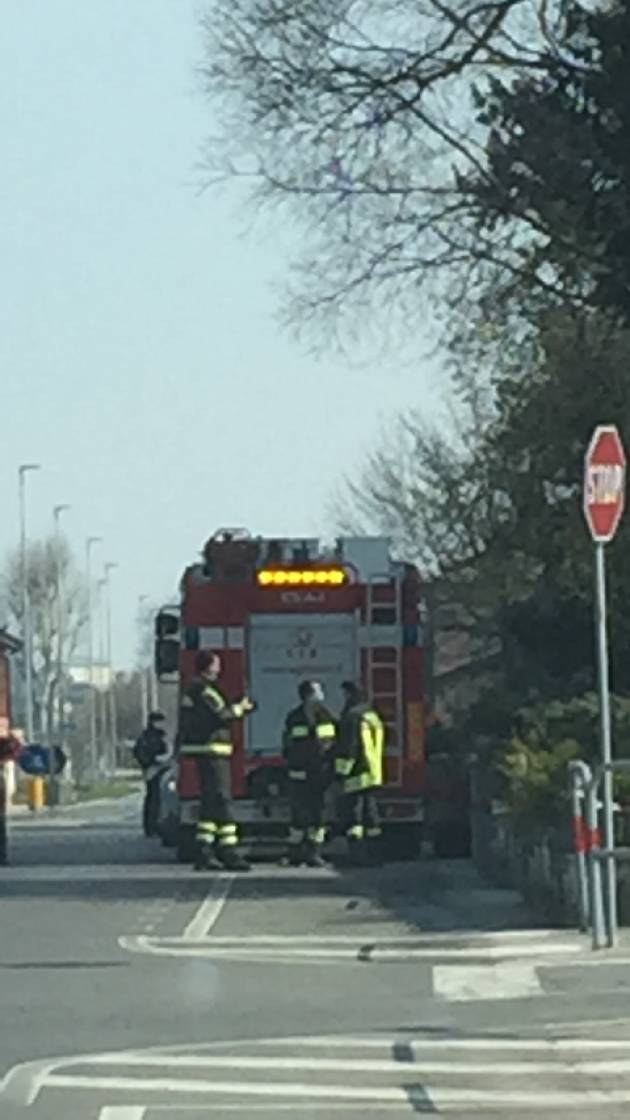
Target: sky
point(141, 362)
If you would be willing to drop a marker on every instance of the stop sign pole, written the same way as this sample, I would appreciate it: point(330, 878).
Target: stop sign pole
point(604, 498)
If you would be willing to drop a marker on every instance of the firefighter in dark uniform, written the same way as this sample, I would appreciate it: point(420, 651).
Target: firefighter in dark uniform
point(308, 739)
point(359, 767)
point(205, 721)
point(151, 754)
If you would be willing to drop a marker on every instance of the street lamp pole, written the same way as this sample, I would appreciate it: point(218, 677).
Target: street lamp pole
point(57, 512)
point(113, 729)
point(26, 601)
point(60, 667)
point(89, 545)
point(102, 694)
point(144, 682)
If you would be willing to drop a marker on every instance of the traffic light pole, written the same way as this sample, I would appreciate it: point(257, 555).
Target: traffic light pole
point(605, 738)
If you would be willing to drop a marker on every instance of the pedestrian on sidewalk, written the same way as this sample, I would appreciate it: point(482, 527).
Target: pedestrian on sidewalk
point(10, 748)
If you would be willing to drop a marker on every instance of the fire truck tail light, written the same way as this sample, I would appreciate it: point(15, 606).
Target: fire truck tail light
point(304, 577)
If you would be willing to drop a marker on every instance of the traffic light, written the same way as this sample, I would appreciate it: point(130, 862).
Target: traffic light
point(167, 642)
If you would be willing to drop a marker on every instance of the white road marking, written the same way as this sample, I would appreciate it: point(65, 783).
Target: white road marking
point(490, 1057)
point(242, 1088)
point(567, 1024)
point(295, 1106)
point(498, 981)
point(416, 1045)
point(122, 1112)
point(209, 911)
point(437, 1097)
point(331, 950)
point(363, 1066)
point(411, 940)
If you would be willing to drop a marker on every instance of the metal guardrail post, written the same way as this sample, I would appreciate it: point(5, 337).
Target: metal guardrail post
point(580, 777)
point(595, 870)
point(608, 857)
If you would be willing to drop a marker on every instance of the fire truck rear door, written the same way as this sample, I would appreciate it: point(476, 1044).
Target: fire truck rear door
point(284, 649)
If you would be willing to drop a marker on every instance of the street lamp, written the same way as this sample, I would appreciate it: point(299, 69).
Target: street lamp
point(144, 690)
point(57, 512)
point(26, 601)
point(102, 697)
point(89, 545)
point(113, 730)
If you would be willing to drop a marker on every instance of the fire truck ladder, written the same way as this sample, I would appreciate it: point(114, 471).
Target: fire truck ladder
point(386, 699)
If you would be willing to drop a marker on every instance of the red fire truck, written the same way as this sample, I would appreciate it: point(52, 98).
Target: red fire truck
point(281, 611)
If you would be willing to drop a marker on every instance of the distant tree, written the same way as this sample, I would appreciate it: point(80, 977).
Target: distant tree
point(497, 515)
point(373, 125)
point(128, 705)
point(48, 562)
point(556, 176)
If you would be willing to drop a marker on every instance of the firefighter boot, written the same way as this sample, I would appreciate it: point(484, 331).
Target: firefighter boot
point(206, 859)
point(294, 856)
point(313, 855)
point(231, 859)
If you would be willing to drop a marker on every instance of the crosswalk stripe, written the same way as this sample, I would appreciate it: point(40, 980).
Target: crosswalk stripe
point(229, 1088)
point(436, 1097)
point(497, 981)
point(122, 1112)
point(359, 1065)
point(470, 1075)
point(417, 1045)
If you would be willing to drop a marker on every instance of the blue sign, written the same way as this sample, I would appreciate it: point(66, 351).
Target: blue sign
point(35, 760)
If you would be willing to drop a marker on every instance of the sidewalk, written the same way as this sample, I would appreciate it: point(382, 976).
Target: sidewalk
point(22, 812)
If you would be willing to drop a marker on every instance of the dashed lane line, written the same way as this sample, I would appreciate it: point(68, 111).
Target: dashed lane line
point(210, 910)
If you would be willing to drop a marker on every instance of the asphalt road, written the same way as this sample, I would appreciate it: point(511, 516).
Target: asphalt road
point(133, 989)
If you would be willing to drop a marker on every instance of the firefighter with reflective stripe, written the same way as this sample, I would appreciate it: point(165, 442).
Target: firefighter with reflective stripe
point(205, 734)
point(359, 767)
point(308, 740)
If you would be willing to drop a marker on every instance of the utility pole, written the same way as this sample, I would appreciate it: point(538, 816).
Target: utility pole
point(89, 545)
point(102, 691)
point(60, 667)
point(113, 722)
point(26, 602)
point(144, 671)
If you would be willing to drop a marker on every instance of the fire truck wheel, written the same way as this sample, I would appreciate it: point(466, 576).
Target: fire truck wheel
point(186, 848)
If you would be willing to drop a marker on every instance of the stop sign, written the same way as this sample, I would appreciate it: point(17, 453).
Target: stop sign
point(604, 482)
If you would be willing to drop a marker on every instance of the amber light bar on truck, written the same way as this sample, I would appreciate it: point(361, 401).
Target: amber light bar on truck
point(301, 577)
